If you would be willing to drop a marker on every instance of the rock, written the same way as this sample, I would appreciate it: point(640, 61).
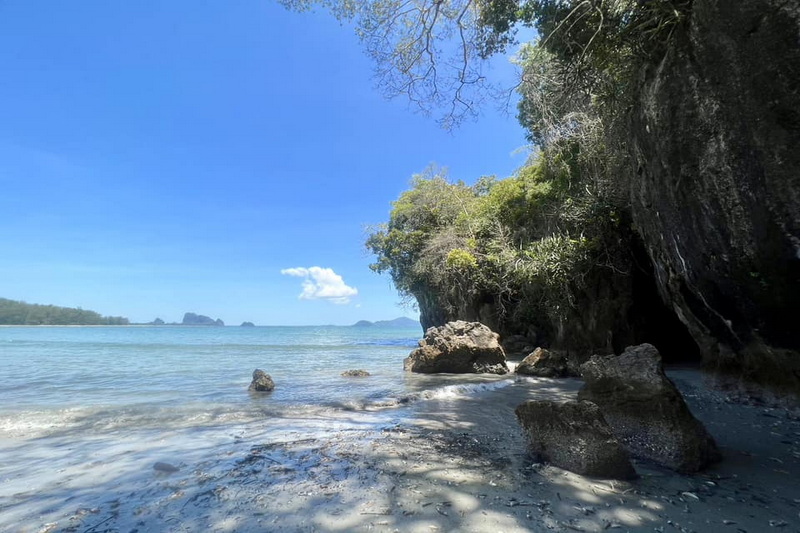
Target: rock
point(546, 364)
point(517, 344)
point(165, 467)
point(574, 436)
point(645, 410)
point(262, 382)
point(192, 319)
point(247, 325)
point(714, 140)
point(355, 374)
point(458, 347)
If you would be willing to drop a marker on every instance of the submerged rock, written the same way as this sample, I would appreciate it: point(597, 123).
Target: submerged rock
point(355, 373)
point(546, 364)
point(262, 382)
point(165, 468)
point(646, 411)
point(574, 436)
point(458, 347)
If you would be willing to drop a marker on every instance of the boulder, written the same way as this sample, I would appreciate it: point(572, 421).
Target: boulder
point(458, 347)
point(646, 411)
point(574, 436)
point(546, 364)
point(262, 382)
point(355, 374)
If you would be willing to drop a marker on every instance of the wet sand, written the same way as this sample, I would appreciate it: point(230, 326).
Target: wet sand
point(456, 464)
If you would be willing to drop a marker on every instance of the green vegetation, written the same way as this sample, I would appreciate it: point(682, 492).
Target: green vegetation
point(527, 245)
point(551, 245)
point(24, 314)
point(433, 52)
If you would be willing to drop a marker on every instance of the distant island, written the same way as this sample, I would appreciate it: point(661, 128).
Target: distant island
point(192, 319)
point(401, 322)
point(17, 313)
point(248, 325)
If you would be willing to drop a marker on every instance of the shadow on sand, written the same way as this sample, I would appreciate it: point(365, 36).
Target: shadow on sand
point(455, 464)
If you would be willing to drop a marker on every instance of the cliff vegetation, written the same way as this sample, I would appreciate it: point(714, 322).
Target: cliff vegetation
point(663, 203)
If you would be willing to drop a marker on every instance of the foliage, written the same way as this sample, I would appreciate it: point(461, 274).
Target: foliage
point(434, 52)
point(24, 314)
point(525, 243)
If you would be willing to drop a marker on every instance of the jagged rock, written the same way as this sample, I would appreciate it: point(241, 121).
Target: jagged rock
point(262, 382)
point(546, 364)
point(355, 374)
point(517, 344)
point(458, 347)
point(574, 436)
point(646, 411)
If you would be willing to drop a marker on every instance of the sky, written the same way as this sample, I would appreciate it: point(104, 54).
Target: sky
point(221, 158)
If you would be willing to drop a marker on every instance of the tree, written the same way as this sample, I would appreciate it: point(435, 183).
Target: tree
point(434, 52)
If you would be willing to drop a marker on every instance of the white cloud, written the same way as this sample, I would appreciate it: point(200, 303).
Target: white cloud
point(322, 284)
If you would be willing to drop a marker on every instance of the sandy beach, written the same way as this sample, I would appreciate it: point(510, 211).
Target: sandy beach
point(459, 464)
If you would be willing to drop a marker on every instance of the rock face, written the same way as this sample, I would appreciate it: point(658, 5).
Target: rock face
point(517, 344)
point(716, 195)
point(546, 364)
point(262, 382)
point(458, 347)
point(574, 436)
point(645, 410)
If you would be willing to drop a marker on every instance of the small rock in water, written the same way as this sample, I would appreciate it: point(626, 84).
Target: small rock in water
point(355, 373)
point(262, 382)
point(165, 467)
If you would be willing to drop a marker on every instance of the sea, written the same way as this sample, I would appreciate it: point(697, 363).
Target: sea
point(88, 407)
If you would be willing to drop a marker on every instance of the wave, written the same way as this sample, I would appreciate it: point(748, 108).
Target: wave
point(35, 423)
point(446, 392)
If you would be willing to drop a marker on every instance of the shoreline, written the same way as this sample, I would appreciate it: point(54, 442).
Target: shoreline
point(453, 465)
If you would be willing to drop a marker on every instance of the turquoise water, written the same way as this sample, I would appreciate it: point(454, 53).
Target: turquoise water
point(85, 412)
point(78, 379)
point(168, 374)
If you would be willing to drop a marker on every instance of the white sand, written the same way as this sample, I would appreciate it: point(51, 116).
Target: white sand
point(459, 465)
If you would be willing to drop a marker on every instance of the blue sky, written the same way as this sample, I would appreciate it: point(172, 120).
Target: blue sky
point(164, 157)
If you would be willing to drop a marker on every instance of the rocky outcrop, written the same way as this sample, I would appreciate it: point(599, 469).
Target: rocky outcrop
point(247, 325)
point(357, 373)
point(192, 319)
point(262, 382)
point(547, 364)
point(458, 347)
point(715, 140)
point(646, 411)
point(574, 436)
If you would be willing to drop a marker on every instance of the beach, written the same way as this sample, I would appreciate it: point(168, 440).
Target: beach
point(389, 452)
point(460, 464)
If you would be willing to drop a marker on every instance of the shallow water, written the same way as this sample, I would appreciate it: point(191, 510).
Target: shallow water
point(86, 412)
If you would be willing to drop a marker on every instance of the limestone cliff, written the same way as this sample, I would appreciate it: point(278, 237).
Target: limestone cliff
point(715, 139)
point(713, 189)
